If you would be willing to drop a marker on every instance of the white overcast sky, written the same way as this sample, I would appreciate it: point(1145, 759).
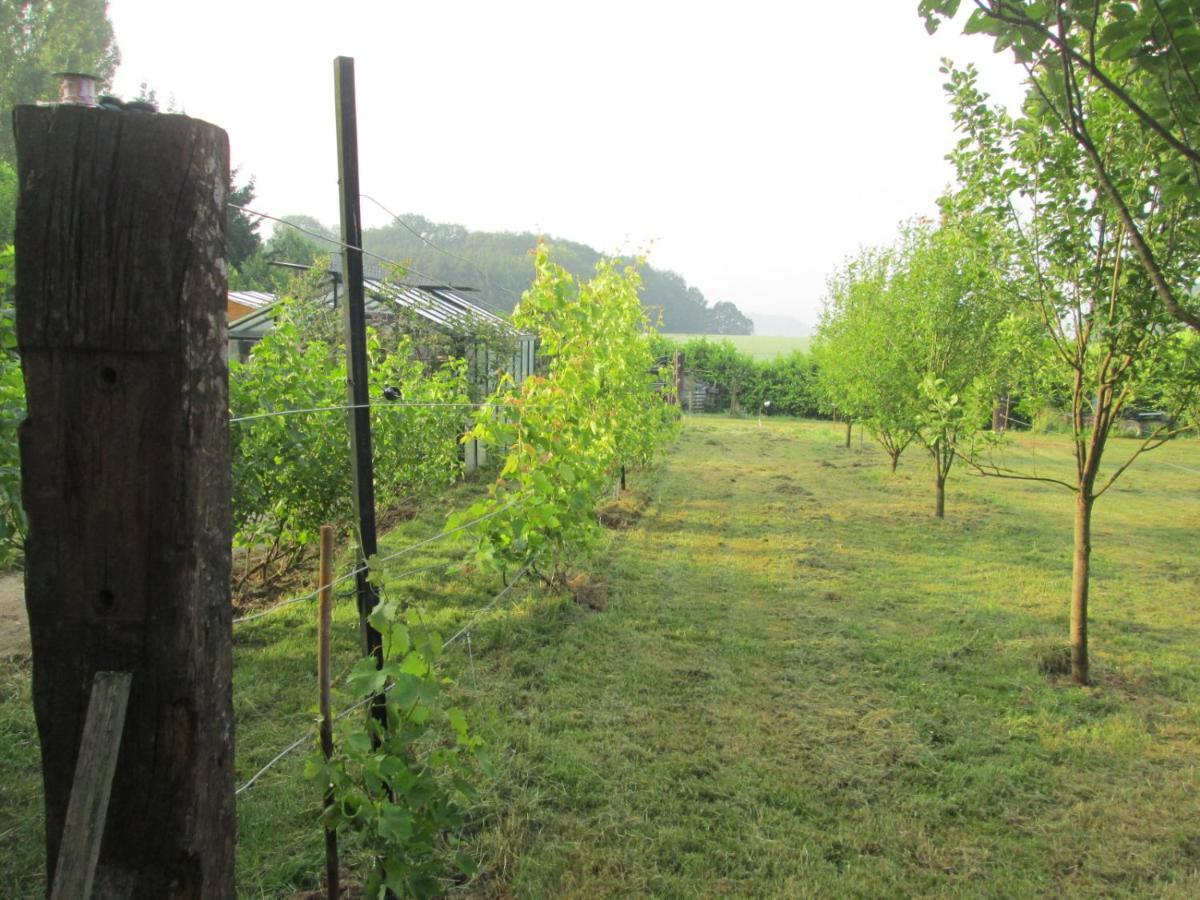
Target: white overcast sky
point(751, 146)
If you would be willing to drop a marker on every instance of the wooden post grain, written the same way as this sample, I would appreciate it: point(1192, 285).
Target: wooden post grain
point(324, 628)
point(90, 790)
point(121, 325)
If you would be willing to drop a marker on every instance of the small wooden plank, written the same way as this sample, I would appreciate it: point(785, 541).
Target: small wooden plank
point(94, 768)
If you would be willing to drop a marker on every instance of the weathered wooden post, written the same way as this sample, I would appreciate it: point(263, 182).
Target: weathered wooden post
point(120, 295)
point(1001, 410)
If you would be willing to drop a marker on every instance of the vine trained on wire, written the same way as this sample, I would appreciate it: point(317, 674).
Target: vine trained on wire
point(291, 473)
point(565, 435)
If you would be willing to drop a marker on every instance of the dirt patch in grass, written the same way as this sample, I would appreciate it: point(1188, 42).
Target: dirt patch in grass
point(588, 592)
point(623, 511)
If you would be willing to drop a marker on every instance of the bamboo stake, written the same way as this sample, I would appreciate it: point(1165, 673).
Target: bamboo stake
point(324, 624)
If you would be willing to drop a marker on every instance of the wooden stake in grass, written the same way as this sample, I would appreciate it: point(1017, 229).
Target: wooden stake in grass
point(324, 624)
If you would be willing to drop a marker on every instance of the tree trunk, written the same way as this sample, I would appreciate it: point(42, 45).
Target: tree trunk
point(849, 431)
point(895, 460)
point(1080, 574)
point(941, 494)
point(622, 478)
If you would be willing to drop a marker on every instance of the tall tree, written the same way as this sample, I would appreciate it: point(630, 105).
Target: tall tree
point(725, 318)
point(242, 230)
point(1143, 58)
point(41, 37)
point(1088, 320)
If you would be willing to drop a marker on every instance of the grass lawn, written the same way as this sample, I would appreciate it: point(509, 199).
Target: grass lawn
point(786, 679)
point(761, 347)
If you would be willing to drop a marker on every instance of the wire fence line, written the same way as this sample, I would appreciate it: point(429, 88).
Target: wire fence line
point(294, 600)
point(311, 732)
point(1178, 466)
point(399, 404)
point(379, 560)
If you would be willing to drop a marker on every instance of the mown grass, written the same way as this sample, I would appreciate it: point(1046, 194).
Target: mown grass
point(804, 685)
point(785, 678)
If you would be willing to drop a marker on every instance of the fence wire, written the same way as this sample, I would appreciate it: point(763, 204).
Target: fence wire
point(378, 560)
point(311, 732)
point(267, 414)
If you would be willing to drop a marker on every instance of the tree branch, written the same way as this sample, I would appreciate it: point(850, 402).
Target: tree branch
point(994, 471)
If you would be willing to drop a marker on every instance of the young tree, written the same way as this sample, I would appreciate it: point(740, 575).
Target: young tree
point(948, 313)
point(1142, 61)
point(908, 342)
point(1086, 315)
point(859, 378)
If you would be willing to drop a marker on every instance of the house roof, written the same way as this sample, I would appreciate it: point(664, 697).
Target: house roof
point(441, 304)
point(252, 299)
point(443, 307)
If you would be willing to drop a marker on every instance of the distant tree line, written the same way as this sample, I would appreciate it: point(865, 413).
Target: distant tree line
point(498, 264)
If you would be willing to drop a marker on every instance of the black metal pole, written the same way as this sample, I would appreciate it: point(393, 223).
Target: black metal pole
point(354, 318)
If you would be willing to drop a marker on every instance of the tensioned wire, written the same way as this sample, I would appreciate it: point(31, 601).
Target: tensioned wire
point(434, 246)
point(308, 734)
point(379, 561)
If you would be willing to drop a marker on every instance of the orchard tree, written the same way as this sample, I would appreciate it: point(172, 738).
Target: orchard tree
point(860, 378)
point(1091, 60)
point(1086, 316)
point(948, 317)
point(908, 342)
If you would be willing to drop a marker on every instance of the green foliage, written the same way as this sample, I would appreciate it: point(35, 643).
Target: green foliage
point(789, 381)
point(289, 476)
point(8, 203)
point(908, 341)
point(565, 435)
point(1086, 330)
point(401, 788)
point(1093, 64)
point(12, 413)
point(41, 37)
point(258, 271)
point(242, 230)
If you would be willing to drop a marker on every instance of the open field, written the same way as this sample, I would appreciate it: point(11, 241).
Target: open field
point(786, 679)
point(760, 347)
